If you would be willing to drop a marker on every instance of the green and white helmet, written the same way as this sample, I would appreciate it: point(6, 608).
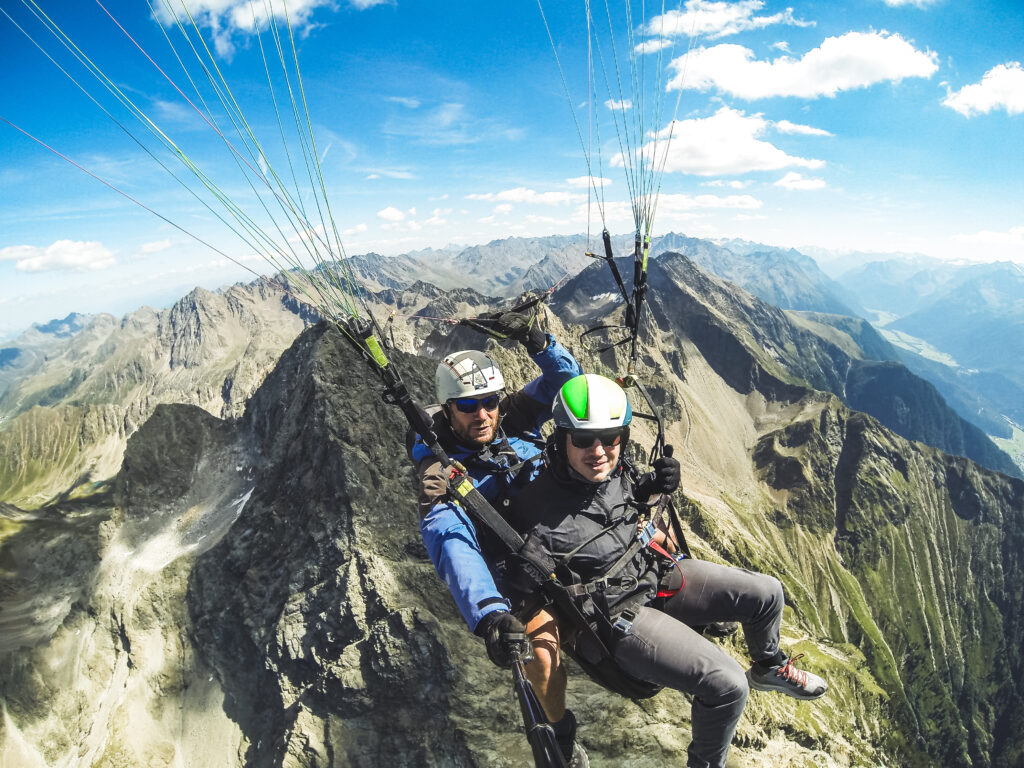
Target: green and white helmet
point(467, 374)
point(591, 402)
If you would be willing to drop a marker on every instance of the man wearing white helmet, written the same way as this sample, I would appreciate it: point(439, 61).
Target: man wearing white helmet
point(496, 436)
point(583, 512)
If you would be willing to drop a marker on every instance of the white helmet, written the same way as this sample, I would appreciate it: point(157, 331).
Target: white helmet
point(467, 374)
point(591, 402)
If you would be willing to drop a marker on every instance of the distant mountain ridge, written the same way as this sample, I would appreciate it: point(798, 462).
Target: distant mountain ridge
point(972, 313)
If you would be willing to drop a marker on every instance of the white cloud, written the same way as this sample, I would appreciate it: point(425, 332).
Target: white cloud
point(148, 249)
point(784, 126)
point(62, 255)
point(734, 184)
point(405, 101)
point(652, 46)
point(356, 230)
point(1000, 87)
point(503, 208)
point(727, 143)
point(391, 214)
point(584, 182)
point(1013, 236)
point(916, 3)
point(437, 217)
point(389, 173)
point(705, 18)
point(226, 18)
point(798, 181)
point(619, 106)
point(678, 202)
point(525, 195)
point(854, 60)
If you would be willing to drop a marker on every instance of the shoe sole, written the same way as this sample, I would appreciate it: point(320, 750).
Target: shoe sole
point(785, 691)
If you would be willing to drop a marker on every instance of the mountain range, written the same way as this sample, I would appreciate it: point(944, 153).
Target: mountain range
point(245, 584)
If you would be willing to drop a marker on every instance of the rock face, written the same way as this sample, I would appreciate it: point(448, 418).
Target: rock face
point(253, 591)
point(65, 425)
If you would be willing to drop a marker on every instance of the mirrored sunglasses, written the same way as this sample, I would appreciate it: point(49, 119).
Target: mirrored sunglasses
point(473, 404)
point(584, 438)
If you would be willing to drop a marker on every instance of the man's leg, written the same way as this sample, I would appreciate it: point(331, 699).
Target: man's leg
point(720, 593)
point(547, 676)
point(546, 673)
point(663, 650)
point(715, 592)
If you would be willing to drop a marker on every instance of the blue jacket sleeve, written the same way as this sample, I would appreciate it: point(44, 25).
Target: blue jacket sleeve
point(452, 545)
point(526, 410)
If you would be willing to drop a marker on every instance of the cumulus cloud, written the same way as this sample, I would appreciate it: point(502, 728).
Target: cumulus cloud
point(916, 3)
point(1002, 87)
point(727, 143)
point(853, 60)
point(784, 126)
point(705, 18)
point(619, 106)
point(391, 214)
point(653, 46)
point(356, 230)
point(531, 196)
point(503, 208)
point(224, 19)
point(71, 255)
point(798, 181)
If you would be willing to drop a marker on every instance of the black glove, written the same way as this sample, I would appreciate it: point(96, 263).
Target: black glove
point(506, 638)
point(524, 329)
point(664, 478)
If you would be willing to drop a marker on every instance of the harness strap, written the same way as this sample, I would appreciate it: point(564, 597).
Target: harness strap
point(675, 564)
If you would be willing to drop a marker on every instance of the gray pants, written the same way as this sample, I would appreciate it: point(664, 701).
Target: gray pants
point(661, 648)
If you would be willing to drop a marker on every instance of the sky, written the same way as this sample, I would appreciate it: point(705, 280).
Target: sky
point(871, 125)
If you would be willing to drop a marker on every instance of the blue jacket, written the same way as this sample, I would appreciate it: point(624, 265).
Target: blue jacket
point(498, 471)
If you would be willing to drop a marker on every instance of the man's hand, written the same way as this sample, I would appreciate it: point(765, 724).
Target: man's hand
point(524, 329)
point(664, 478)
point(506, 638)
point(666, 474)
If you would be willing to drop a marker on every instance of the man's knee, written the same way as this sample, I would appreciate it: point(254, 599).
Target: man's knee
point(727, 685)
point(771, 593)
point(542, 629)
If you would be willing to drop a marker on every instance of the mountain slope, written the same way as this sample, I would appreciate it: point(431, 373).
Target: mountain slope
point(66, 423)
point(257, 593)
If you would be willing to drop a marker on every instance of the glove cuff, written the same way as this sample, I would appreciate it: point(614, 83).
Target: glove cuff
point(487, 622)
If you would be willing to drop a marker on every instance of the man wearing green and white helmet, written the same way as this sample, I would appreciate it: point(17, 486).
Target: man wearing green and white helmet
point(584, 513)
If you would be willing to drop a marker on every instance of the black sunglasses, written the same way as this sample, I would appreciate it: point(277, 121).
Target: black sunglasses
point(472, 404)
point(584, 438)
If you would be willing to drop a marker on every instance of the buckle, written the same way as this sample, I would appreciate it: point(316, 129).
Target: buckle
point(623, 622)
point(647, 534)
point(627, 583)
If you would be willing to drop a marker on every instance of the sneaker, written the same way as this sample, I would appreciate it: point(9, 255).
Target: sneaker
point(789, 680)
point(579, 758)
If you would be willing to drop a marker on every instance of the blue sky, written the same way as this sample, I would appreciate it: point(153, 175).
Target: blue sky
point(881, 125)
